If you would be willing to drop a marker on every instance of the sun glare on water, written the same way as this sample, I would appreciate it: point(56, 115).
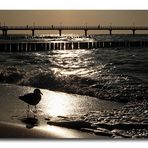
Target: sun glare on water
point(56, 103)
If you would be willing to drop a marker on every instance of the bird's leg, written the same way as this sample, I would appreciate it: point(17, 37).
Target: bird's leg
point(35, 115)
point(28, 108)
point(28, 111)
point(35, 108)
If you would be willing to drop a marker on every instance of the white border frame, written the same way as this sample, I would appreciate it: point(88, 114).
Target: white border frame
point(73, 4)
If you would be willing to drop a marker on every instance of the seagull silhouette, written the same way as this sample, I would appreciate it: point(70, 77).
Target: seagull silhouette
point(32, 98)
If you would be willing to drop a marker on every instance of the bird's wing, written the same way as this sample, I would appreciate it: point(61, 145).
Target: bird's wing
point(26, 96)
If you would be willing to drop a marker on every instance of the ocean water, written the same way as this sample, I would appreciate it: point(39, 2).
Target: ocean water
point(84, 85)
point(118, 74)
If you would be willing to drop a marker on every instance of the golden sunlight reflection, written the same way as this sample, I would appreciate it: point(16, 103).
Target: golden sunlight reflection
point(83, 72)
point(75, 63)
point(57, 103)
point(62, 104)
point(60, 132)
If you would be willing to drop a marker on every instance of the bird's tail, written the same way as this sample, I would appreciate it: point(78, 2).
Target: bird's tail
point(21, 97)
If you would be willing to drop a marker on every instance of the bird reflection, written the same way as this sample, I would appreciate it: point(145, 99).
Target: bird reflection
point(30, 122)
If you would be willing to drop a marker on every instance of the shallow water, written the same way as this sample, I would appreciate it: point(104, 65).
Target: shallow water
point(52, 104)
point(108, 73)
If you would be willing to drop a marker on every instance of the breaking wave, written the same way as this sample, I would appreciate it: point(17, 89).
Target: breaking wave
point(117, 88)
point(111, 74)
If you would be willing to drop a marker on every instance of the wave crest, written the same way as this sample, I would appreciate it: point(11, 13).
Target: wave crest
point(120, 88)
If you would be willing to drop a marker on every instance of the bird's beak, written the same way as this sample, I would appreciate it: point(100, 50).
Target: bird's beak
point(41, 93)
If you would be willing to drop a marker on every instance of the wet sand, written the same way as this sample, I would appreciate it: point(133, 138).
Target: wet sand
point(112, 121)
point(15, 124)
point(11, 130)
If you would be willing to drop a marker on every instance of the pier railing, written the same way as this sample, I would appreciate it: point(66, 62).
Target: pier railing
point(60, 28)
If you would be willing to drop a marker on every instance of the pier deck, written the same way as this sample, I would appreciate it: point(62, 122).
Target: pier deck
point(60, 28)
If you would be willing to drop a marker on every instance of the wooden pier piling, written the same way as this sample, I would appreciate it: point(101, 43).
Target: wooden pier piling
point(44, 46)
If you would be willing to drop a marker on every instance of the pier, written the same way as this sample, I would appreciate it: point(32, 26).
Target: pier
point(5, 29)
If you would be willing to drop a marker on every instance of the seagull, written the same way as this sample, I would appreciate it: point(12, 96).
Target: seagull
point(32, 98)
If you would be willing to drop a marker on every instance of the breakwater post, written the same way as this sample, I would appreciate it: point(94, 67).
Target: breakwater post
point(45, 46)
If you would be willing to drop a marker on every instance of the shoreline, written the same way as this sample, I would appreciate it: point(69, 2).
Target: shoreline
point(128, 121)
point(15, 124)
point(14, 130)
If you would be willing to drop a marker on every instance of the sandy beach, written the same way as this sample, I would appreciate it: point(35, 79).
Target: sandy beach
point(13, 131)
point(62, 115)
point(9, 130)
point(14, 122)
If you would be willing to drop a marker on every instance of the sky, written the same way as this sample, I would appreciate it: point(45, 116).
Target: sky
point(74, 17)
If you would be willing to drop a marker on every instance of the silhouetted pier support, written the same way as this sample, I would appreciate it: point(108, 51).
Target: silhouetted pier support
point(134, 31)
point(45, 46)
point(60, 32)
point(32, 32)
point(85, 32)
point(110, 31)
point(4, 32)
